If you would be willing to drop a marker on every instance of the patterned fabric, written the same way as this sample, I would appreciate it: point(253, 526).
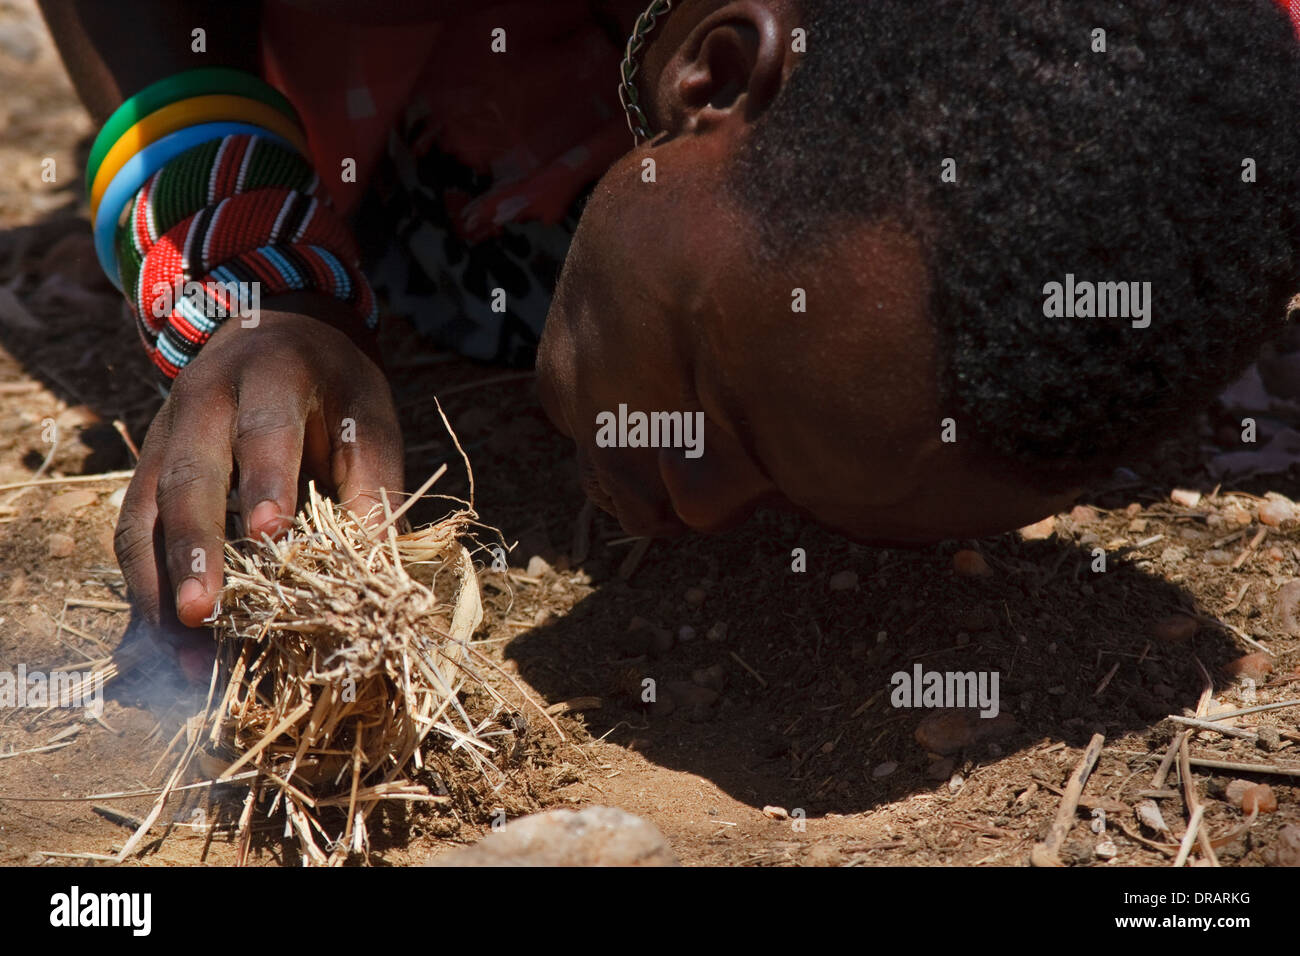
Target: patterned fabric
point(472, 165)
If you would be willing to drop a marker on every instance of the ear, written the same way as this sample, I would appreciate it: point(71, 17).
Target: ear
point(728, 68)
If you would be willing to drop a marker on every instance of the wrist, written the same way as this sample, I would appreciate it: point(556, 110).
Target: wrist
point(321, 307)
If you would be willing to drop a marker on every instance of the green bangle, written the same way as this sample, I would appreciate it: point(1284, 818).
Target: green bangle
point(200, 82)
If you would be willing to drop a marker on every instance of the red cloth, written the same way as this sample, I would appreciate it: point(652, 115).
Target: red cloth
point(543, 118)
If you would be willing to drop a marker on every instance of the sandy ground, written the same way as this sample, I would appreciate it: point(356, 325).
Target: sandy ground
point(774, 685)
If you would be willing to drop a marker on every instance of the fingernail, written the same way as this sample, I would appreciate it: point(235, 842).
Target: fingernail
point(190, 592)
point(265, 518)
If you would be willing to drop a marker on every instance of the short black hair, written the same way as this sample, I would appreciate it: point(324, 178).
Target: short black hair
point(1125, 165)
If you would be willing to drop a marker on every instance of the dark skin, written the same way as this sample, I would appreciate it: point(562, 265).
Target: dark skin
point(663, 305)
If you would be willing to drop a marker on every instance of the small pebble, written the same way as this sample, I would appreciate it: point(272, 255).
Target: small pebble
point(718, 632)
point(948, 731)
point(61, 545)
point(1237, 790)
point(970, 564)
point(1137, 525)
point(695, 596)
point(1106, 850)
point(1276, 513)
point(538, 567)
point(1082, 515)
point(1218, 557)
point(1186, 497)
point(1236, 514)
point(1268, 738)
point(1259, 797)
point(844, 581)
point(685, 633)
point(1256, 666)
point(885, 769)
point(776, 813)
point(71, 501)
point(1174, 629)
point(1039, 530)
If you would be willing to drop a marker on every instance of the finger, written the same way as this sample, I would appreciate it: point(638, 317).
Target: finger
point(192, 489)
point(135, 539)
point(268, 448)
point(366, 457)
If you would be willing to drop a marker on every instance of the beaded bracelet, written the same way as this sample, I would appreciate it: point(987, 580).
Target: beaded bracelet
point(218, 233)
point(275, 270)
point(137, 171)
point(199, 82)
point(204, 175)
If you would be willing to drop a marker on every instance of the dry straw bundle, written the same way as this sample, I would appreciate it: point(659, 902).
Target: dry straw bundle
point(341, 652)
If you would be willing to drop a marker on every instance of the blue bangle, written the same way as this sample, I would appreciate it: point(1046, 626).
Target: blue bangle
point(136, 172)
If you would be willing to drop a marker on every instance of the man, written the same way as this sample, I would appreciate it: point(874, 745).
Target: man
point(926, 269)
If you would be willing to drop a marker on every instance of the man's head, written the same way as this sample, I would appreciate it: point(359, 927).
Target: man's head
point(840, 252)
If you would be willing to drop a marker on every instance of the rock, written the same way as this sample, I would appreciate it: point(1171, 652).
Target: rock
point(1286, 851)
point(776, 813)
point(693, 698)
point(1186, 497)
point(61, 545)
point(718, 632)
point(1218, 557)
point(1286, 608)
point(1039, 530)
point(1268, 738)
point(538, 567)
point(843, 581)
point(1137, 525)
point(1259, 797)
point(884, 770)
point(686, 633)
point(1175, 629)
point(1275, 513)
point(1173, 554)
point(1236, 791)
point(695, 596)
point(948, 731)
point(1256, 666)
point(940, 769)
point(714, 677)
point(70, 501)
point(1083, 515)
point(970, 564)
point(822, 854)
point(1236, 514)
point(1106, 850)
point(593, 836)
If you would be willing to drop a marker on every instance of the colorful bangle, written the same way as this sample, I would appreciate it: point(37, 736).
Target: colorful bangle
point(200, 82)
point(202, 176)
point(218, 233)
point(191, 112)
point(136, 171)
point(275, 269)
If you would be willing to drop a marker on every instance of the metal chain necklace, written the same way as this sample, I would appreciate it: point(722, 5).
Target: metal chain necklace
point(630, 67)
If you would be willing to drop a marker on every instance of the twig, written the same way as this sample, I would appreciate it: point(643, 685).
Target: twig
point(1210, 725)
point(753, 673)
point(1193, 829)
point(1259, 709)
point(69, 479)
point(1195, 806)
point(1047, 853)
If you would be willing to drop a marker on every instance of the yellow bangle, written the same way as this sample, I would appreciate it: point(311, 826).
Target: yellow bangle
point(190, 112)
